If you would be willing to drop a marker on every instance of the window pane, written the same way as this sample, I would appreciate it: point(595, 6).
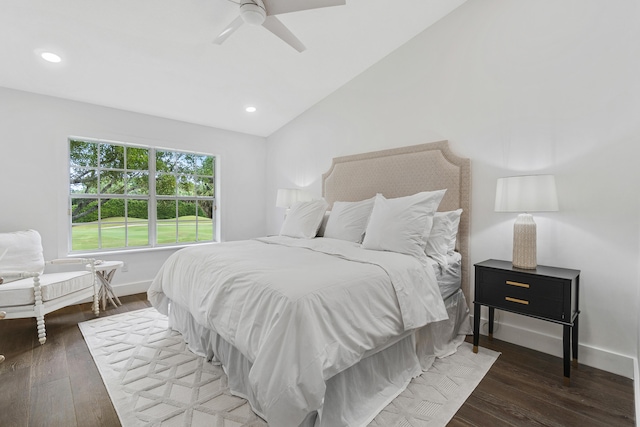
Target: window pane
point(138, 183)
point(187, 209)
point(84, 237)
point(205, 221)
point(165, 184)
point(187, 163)
point(186, 185)
point(166, 231)
point(205, 209)
point(204, 187)
point(166, 209)
point(165, 161)
point(111, 182)
point(82, 153)
point(111, 156)
point(138, 210)
point(137, 158)
point(205, 231)
point(186, 230)
point(84, 210)
point(113, 234)
point(82, 180)
point(137, 234)
point(112, 210)
point(206, 166)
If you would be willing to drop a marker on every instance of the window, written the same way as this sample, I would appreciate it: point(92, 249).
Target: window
point(126, 196)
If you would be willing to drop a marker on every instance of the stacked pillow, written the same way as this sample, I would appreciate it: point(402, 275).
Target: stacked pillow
point(348, 220)
point(303, 219)
point(442, 240)
point(408, 225)
point(402, 224)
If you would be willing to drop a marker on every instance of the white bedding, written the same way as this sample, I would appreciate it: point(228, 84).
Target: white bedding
point(449, 276)
point(299, 310)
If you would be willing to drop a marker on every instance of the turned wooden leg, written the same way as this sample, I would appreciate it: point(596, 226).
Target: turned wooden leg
point(39, 310)
point(96, 291)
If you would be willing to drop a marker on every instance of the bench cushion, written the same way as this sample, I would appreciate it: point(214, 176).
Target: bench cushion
point(53, 285)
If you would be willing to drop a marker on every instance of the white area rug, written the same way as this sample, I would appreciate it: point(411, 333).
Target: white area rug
point(154, 380)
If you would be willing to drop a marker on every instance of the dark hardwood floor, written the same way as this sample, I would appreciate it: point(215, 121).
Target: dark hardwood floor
point(59, 385)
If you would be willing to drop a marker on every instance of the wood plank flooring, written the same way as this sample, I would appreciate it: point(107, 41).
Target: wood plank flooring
point(58, 384)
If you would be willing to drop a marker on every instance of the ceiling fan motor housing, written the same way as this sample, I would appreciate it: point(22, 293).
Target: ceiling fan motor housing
point(253, 12)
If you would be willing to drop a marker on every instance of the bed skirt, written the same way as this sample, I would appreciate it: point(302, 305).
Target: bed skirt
point(356, 395)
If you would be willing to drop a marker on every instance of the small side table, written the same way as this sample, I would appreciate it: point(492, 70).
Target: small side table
point(105, 271)
point(546, 293)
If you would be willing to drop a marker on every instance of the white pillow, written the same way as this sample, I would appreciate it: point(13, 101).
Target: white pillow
point(303, 219)
point(348, 220)
point(442, 239)
point(399, 224)
point(21, 251)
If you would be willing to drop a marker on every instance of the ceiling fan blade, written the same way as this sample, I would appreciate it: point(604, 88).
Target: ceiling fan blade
point(277, 7)
point(231, 28)
point(274, 25)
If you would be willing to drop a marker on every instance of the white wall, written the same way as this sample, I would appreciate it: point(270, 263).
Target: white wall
point(34, 176)
point(541, 86)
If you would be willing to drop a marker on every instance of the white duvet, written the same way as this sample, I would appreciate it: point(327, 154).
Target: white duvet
point(299, 310)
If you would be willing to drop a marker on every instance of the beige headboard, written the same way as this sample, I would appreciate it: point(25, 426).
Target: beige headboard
point(402, 172)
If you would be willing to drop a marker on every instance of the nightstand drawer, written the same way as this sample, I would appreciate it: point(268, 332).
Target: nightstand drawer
point(536, 296)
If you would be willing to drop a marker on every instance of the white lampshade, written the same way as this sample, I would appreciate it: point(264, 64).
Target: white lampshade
point(288, 197)
point(529, 193)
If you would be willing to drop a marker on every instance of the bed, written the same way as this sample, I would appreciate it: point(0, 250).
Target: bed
point(324, 331)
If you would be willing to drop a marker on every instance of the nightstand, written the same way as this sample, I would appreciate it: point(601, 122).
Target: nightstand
point(546, 293)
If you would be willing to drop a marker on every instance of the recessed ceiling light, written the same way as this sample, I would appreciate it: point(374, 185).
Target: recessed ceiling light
point(50, 56)
point(250, 109)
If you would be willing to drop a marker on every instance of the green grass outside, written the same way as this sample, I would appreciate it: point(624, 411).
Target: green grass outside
point(85, 236)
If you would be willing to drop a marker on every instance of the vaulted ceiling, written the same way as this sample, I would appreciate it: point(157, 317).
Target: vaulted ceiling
point(158, 57)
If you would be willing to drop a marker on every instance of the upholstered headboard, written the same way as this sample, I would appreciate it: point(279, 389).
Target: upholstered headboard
point(402, 172)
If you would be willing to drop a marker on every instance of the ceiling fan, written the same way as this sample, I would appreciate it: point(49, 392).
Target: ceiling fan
point(262, 12)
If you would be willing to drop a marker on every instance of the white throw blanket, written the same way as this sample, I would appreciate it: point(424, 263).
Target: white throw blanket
point(299, 310)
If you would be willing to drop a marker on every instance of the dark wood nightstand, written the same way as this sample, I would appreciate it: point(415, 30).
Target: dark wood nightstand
point(547, 293)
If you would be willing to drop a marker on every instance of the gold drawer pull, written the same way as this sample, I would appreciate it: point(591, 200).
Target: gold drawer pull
point(519, 301)
point(522, 285)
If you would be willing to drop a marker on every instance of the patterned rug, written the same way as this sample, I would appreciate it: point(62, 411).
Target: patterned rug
point(154, 380)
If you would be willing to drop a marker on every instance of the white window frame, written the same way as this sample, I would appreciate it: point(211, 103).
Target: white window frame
point(152, 199)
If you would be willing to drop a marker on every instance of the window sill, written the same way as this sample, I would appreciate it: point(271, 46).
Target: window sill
point(109, 253)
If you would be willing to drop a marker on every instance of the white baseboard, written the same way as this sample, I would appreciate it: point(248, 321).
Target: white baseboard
point(599, 358)
point(131, 288)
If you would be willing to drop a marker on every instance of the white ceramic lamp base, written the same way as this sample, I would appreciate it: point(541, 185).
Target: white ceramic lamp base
point(524, 242)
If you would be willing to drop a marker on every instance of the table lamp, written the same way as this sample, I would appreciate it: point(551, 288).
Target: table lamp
point(524, 194)
point(288, 197)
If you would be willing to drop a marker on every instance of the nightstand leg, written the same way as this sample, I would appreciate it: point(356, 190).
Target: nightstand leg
point(476, 326)
point(492, 316)
point(574, 341)
point(566, 350)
